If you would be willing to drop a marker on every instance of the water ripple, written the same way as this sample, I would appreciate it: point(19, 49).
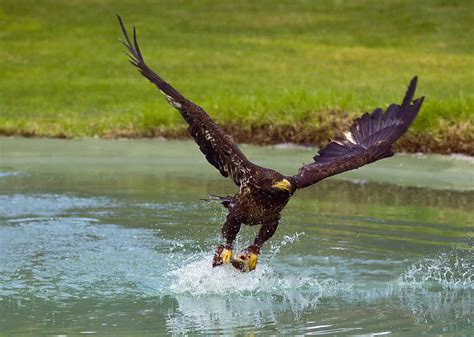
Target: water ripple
point(17, 205)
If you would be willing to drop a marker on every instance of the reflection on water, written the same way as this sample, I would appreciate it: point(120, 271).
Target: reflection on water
point(115, 247)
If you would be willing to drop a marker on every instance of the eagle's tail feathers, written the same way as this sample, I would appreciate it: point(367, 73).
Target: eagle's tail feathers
point(225, 201)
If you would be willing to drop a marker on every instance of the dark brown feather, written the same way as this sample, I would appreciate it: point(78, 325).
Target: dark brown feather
point(220, 150)
point(368, 139)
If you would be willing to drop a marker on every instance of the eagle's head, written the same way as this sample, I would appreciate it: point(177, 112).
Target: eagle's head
point(276, 183)
point(282, 185)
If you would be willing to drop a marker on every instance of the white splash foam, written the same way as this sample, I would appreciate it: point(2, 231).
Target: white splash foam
point(450, 270)
point(287, 239)
point(200, 278)
point(197, 277)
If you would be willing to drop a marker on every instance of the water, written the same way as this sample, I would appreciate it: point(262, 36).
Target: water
point(110, 238)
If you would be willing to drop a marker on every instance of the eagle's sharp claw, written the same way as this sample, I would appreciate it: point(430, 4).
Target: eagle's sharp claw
point(252, 262)
point(245, 261)
point(223, 256)
point(226, 255)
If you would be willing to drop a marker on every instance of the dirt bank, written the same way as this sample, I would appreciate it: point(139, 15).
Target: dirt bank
point(454, 138)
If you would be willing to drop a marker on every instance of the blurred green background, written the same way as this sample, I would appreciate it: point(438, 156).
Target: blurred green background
point(281, 68)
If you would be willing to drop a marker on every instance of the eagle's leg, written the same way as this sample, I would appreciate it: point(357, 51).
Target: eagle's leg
point(247, 259)
point(229, 231)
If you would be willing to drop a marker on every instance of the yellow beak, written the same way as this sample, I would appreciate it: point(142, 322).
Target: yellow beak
point(283, 185)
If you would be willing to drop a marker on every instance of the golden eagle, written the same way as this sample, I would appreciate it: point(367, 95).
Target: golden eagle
point(263, 192)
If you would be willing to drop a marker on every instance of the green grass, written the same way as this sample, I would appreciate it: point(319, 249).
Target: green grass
point(248, 63)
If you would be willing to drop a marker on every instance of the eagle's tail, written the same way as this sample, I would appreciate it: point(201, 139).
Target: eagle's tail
point(225, 201)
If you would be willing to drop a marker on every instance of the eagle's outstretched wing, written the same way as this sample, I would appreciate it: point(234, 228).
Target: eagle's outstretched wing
point(368, 139)
point(220, 150)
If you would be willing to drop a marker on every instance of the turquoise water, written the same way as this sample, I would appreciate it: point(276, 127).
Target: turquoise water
point(111, 238)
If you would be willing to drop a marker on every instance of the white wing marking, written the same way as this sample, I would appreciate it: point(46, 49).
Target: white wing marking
point(349, 137)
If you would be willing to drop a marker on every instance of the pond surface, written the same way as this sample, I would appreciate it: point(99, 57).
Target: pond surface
point(111, 238)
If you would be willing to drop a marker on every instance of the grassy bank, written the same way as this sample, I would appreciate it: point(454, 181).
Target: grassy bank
point(268, 71)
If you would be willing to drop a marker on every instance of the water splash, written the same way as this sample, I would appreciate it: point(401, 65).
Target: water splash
point(197, 277)
point(200, 278)
point(287, 239)
point(222, 298)
point(450, 270)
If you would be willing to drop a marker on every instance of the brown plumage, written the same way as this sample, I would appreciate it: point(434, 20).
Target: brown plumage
point(263, 192)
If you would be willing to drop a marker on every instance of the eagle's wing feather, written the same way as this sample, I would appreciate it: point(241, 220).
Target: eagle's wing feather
point(220, 150)
point(368, 139)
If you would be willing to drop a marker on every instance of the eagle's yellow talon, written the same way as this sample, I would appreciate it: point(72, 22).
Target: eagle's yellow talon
point(223, 256)
point(245, 261)
point(252, 261)
point(226, 256)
